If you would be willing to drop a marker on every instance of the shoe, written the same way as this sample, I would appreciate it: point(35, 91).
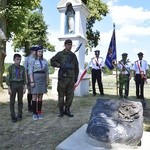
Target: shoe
point(126, 97)
point(67, 112)
point(19, 117)
point(35, 117)
point(14, 119)
point(94, 93)
point(121, 97)
point(40, 116)
point(102, 94)
point(30, 110)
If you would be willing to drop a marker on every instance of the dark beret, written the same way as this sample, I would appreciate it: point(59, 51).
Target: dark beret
point(97, 52)
point(140, 53)
point(36, 48)
point(124, 54)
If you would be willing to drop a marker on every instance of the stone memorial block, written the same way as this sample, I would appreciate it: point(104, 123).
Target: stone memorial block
point(116, 121)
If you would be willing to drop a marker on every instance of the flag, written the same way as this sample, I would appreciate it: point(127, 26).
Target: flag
point(111, 54)
point(81, 77)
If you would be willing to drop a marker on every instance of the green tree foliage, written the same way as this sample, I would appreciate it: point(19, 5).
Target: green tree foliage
point(97, 9)
point(12, 18)
point(33, 33)
point(15, 14)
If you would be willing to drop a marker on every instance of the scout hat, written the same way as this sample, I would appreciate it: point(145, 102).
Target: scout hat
point(97, 52)
point(68, 41)
point(140, 54)
point(36, 48)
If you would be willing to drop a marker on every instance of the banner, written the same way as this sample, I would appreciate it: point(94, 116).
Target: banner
point(111, 54)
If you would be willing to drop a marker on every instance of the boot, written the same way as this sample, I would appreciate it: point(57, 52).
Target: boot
point(61, 112)
point(67, 112)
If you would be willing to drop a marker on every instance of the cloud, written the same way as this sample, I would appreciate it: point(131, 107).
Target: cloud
point(131, 22)
point(53, 37)
point(123, 15)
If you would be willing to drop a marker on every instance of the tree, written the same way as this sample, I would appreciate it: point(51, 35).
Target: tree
point(33, 33)
point(12, 18)
point(97, 10)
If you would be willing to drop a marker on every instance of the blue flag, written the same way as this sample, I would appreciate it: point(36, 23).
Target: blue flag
point(111, 54)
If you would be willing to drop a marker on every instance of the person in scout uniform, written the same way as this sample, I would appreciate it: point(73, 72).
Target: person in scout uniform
point(27, 63)
point(124, 67)
point(97, 64)
point(39, 79)
point(68, 72)
point(16, 82)
point(140, 71)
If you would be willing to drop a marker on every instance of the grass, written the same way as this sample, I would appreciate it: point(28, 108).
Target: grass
point(48, 133)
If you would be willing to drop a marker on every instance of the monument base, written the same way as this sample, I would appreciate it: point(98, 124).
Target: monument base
point(81, 89)
point(79, 140)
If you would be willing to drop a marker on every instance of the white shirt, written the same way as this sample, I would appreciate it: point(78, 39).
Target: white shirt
point(140, 65)
point(96, 63)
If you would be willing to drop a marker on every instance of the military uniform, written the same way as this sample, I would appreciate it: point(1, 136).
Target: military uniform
point(67, 77)
point(16, 80)
point(27, 63)
point(140, 68)
point(124, 67)
point(97, 64)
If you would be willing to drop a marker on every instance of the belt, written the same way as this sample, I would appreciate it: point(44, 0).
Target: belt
point(39, 72)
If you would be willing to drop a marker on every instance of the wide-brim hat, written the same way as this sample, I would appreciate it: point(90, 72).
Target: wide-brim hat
point(140, 54)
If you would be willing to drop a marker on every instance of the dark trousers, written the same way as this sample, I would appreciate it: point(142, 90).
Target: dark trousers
point(124, 82)
point(17, 89)
point(96, 76)
point(65, 90)
point(139, 86)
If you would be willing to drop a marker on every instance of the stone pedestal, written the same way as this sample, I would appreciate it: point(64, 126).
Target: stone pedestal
point(79, 140)
point(81, 89)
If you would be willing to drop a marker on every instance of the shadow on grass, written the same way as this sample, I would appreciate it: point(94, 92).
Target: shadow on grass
point(26, 133)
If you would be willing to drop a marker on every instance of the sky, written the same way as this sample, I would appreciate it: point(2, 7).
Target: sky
point(132, 25)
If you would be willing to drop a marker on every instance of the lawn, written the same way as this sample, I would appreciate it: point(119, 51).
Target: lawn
point(46, 134)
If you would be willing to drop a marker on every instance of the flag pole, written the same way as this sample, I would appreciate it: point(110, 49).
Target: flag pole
point(116, 69)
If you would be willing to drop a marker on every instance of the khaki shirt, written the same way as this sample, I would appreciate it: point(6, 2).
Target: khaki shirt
point(15, 74)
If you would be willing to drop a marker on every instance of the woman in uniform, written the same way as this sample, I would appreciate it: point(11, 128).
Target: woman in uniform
point(39, 77)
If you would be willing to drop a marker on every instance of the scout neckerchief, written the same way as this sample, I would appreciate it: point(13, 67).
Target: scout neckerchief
point(17, 71)
point(40, 60)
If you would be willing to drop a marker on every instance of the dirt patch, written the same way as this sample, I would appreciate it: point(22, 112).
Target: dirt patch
point(46, 134)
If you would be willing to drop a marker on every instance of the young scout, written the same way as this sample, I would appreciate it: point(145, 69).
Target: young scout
point(16, 82)
point(27, 63)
